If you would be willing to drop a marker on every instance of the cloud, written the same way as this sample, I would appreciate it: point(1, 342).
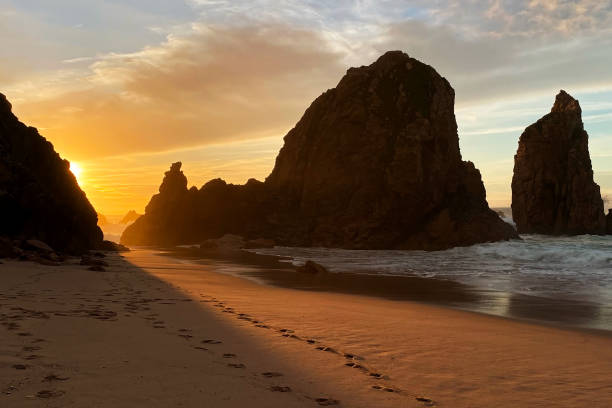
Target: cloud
point(493, 67)
point(215, 84)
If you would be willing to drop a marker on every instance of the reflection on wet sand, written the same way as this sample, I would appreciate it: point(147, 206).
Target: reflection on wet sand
point(273, 271)
point(565, 312)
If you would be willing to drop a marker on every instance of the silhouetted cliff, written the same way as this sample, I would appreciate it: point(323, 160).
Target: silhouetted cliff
point(39, 196)
point(373, 163)
point(181, 215)
point(553, 191)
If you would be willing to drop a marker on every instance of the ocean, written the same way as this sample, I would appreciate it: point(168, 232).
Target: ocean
point(559, 280)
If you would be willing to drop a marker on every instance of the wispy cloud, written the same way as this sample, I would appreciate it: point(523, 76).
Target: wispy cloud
point(214, 84)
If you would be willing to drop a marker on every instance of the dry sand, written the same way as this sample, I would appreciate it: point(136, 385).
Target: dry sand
point(153, 331)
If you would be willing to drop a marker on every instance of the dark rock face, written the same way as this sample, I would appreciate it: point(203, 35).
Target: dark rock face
point(609, 222)
point(373, 163)
point(39, 197)
point(553, 191)
point(178, 215)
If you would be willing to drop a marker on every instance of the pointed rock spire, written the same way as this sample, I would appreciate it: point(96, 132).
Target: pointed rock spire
point(553, 191)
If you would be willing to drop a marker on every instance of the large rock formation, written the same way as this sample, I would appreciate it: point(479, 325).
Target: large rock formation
point(181, 215)
point(39, 196)
point(609, 222)
point(373, 163)
point(553, 191)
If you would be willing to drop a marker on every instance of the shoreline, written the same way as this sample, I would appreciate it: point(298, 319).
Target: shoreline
point(271, 270)
point(183, 334)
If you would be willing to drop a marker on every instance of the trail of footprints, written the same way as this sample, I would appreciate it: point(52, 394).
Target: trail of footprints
point(98, 307)
point(351, 360)
point(135, 304)
point(11, 322)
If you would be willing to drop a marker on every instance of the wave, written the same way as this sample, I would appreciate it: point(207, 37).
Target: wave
point(550, 266)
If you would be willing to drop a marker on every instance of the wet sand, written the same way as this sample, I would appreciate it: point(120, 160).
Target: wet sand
point(157, 331)
point(274, 270)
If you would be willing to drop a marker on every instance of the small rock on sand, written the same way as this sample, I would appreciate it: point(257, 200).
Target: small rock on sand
point(312, 268)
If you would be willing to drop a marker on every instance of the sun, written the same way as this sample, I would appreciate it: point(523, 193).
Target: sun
point(76, 169)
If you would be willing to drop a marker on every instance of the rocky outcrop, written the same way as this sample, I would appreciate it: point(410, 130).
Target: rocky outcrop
point(313, 268)
point(181, 215)
point(609, 222)
point(39, 196)
point(373, 163)
point(553, 191)
point(131, 216)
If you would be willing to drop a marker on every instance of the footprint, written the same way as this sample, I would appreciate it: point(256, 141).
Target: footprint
point(327, 401)
point(325, 348)
point(19, 366)
point(311, 341)
point(229, 355)
point(263, 326)
point(32, 357)
point(201, 348)
point(30, 348)
point(24, 334)
point(185, 336)
point(211, 341)
point(271, 374)
point(291, 336)
point(382, 388)
point(280, 388)
point(354, 365)
point(236, 365)
point(376, 375)
point(49, 394)
point(53, 377)
point(426, 401)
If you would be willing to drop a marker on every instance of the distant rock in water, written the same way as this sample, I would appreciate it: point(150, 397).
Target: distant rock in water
point(102, 220)
point(373, 163)
point(553, 191)
point(131, 216)
point(39, 196)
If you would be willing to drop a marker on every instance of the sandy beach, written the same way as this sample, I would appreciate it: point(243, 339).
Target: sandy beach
point(162, 332)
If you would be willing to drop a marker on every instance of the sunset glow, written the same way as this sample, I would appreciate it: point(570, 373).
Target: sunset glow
point(76, 169)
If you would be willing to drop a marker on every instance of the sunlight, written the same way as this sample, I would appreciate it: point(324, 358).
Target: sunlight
point(76, 169)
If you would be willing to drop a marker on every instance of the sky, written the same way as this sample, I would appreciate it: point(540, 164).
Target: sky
point(124, 88)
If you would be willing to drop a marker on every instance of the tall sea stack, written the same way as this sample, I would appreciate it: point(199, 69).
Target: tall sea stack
point(553, 191)
point(39, 196)
point(373, 163)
